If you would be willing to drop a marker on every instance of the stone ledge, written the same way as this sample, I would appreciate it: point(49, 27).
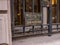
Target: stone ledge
point(3, 44)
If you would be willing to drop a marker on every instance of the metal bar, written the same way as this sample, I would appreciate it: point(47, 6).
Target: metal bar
point(41, 11)
point(20, 10)
point(23, 7)
point(33, 13)
point(12, 16)
point(57, 12)
point(33, 7)
point(12, 11)
point(50, 20)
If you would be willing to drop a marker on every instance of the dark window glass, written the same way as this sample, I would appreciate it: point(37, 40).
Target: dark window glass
point(30, 18)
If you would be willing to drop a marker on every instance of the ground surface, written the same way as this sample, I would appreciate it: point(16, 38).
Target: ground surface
point(39, 40)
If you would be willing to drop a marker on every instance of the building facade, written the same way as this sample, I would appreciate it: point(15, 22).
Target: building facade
point(19, 17)
point(5, 22)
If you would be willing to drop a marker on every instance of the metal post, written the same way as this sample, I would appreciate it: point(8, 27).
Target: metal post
point(12, 16)
point(41, 11)
point(23, 7)
point(57, 12)
point(33, 13)
point(50, 20)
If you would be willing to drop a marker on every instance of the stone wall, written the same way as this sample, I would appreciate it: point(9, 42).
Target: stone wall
point(5, 22)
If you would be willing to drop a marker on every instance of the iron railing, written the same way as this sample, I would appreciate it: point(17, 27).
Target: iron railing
point(41, 29)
